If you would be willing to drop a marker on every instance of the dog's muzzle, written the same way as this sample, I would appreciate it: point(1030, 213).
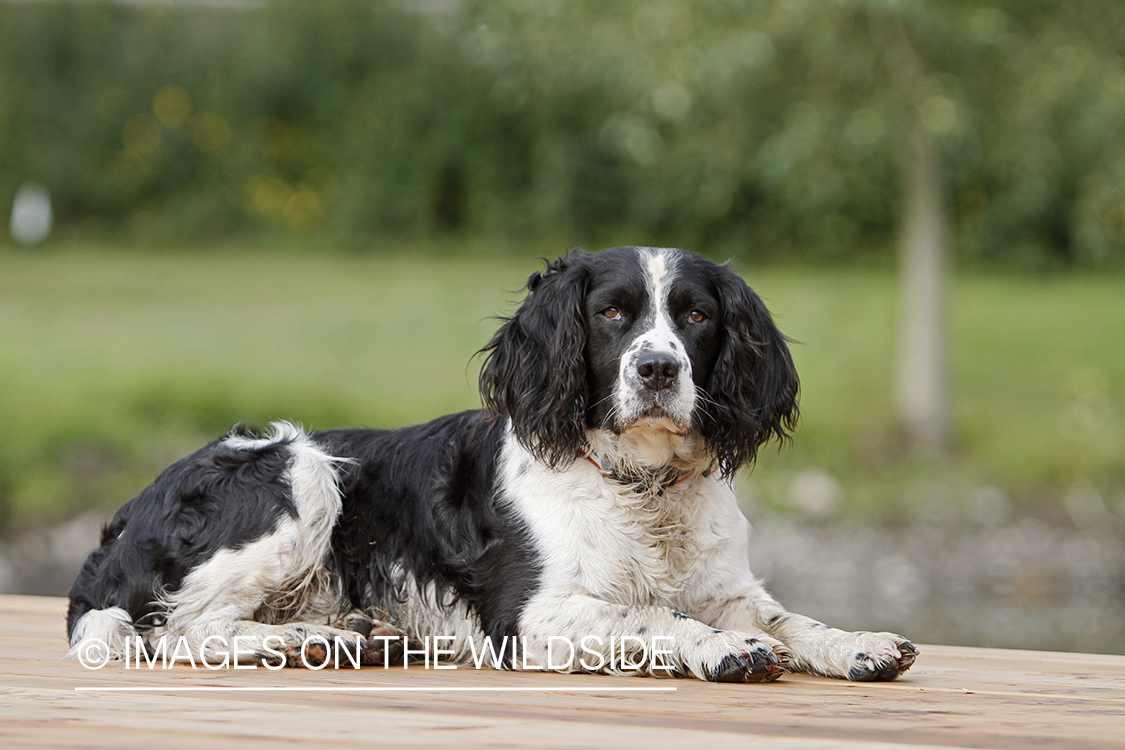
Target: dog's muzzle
point(655, 384)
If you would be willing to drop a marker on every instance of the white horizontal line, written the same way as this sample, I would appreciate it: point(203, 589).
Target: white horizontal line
point(363, 689)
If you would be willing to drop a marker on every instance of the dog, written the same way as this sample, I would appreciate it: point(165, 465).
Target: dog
point(589, 502)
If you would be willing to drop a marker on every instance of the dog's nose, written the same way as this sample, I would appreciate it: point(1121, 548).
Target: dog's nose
point(657, 371)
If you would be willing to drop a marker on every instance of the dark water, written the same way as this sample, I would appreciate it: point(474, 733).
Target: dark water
point(1024, 584)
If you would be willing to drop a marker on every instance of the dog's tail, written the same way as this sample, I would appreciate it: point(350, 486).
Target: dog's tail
point(98, 631)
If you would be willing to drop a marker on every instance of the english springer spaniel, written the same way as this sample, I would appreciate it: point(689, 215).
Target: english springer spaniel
point(588, 506)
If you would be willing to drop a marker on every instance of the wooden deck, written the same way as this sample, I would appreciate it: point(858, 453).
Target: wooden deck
point(954, 697)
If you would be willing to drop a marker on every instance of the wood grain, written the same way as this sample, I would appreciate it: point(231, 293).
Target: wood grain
point(953, 697)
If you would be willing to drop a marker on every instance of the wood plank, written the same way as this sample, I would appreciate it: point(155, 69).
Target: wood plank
point(953, 697)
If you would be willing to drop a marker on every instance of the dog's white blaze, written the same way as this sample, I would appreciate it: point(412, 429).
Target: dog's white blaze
point(660, 270)
point(659, 266)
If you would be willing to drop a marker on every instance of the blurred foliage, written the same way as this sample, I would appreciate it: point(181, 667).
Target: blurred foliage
point(715, 124)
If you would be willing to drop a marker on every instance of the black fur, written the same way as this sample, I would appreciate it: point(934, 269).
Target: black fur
point(752, 390)
point(535, 368)
point(217, 498)
point(422, 500)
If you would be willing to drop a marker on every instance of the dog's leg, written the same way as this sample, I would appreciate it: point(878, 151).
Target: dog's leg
point(273, 594)
point(815, 647)
point(593, 633)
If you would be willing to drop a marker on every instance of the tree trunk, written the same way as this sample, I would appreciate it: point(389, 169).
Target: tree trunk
point(921, 391)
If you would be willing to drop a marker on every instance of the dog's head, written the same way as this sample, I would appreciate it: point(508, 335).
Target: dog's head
point(641, 339)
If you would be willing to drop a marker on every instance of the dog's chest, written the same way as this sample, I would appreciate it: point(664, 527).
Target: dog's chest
point(597, 537)
point(647, 545)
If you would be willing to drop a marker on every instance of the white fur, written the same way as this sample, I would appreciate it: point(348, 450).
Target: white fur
point(100, 634)
point(618, 562)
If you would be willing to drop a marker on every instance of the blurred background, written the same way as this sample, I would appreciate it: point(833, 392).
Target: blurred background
point(258, 209)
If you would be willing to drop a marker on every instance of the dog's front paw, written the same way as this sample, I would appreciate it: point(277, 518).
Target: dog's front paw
point(759, 659)
point(761, 664)
point(880, 657)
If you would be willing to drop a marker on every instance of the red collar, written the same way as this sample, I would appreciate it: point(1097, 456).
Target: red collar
point(671, 479)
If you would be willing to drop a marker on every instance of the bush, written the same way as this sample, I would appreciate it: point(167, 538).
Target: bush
point(719, 126)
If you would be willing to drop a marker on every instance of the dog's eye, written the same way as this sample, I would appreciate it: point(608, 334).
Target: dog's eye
point(612, 313)
point(695, 316)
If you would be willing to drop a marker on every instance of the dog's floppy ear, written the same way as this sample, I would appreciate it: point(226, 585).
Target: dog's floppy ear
point(753, 385)
point(535, 367)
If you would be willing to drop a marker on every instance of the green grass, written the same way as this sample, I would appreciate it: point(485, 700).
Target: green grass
point(113, 364)
point(1037, 377)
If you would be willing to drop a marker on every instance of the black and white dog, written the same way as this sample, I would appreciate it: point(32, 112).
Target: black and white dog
point(590, 501)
